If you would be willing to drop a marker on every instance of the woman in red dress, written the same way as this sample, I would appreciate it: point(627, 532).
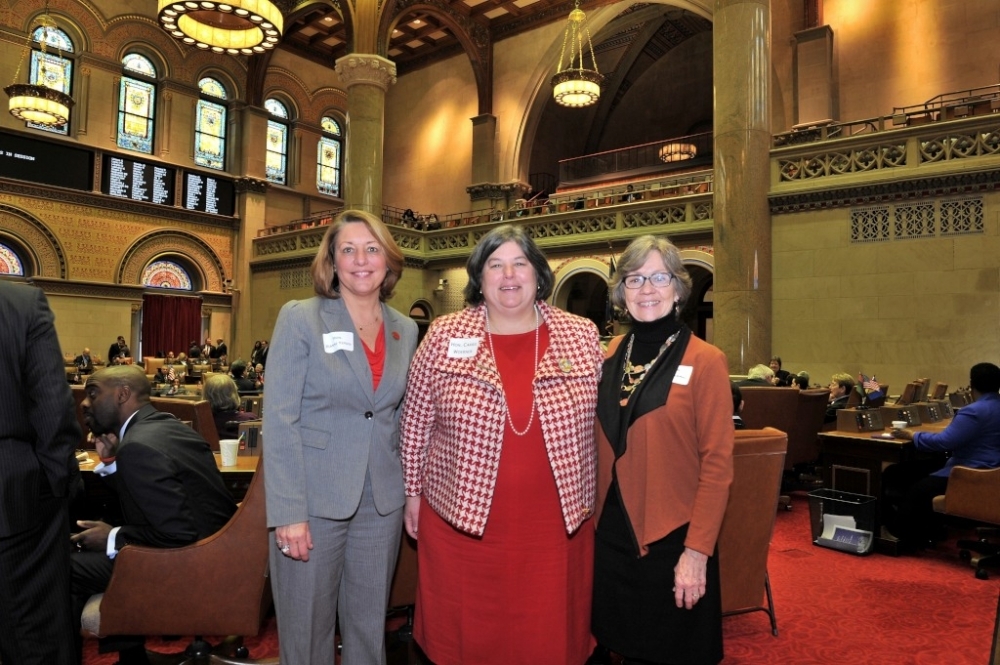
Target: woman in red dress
point(498, 453)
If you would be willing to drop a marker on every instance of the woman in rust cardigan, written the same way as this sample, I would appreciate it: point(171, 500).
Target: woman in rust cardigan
point(664, 445)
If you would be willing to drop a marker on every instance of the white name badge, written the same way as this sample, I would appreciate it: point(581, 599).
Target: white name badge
point(463, 347)
point(338, 341)
point(683, 375)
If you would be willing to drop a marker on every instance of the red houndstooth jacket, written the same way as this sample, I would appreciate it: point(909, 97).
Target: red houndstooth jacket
point(454, 411)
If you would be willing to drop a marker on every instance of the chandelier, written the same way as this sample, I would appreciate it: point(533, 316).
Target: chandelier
point(575, 86)
point(38, 104)
point(232, 26)
point(677, 152)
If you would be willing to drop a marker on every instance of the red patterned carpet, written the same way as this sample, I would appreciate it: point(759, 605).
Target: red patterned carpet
point(832, 608)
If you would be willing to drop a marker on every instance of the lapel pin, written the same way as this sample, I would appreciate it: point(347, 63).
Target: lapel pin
point(565, 365)
point(395, 335)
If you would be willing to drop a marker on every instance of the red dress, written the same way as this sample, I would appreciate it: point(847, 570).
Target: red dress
point(521, 593)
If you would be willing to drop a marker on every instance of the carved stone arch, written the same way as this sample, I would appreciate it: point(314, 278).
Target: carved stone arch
point(218, 68)
point(331, 102)
point(88, 24)
point(139, 35)
point(289, 89)
point(171, 241)
point(32, 237)
point(473, 36)
point(566, 271)
point(516, 152)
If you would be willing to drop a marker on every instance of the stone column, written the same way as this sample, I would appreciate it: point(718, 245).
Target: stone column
point(742, 67)
point(367, 78)
point(484, 149)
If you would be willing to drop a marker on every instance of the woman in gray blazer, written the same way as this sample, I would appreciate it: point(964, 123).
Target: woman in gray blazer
point(331, 422)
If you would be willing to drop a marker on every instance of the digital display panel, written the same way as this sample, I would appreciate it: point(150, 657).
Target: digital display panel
point(45, 162)
point(138, 180)
point(208, 193)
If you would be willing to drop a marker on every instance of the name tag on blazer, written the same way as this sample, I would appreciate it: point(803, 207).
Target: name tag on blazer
point(463, 347)
point(338, 341)
point(683, 375)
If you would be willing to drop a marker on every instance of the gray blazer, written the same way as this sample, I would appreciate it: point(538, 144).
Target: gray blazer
point(324, 427)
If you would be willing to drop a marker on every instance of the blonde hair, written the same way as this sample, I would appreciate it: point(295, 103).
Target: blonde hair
point(221, 392)
point(324, 273)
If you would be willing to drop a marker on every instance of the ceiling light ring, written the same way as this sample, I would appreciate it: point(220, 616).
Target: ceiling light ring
point(263, 24)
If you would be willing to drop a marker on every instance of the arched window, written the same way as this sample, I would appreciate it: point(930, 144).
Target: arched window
point(276, 165)
point(10, 262)
point(166, 275)
point(328, 156)
point(49, 69)
point(210, 125)
point(137, 104)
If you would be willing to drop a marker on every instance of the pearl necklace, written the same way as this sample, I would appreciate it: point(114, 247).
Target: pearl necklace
point(489, 338)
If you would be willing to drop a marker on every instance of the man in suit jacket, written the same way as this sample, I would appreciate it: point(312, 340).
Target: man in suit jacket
point(119, 349)
point(84, 362)
point(38, 433)
point(164, 473)
point(221, 350)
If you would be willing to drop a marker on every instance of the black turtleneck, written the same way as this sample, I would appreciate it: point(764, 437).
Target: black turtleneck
point(650, 336)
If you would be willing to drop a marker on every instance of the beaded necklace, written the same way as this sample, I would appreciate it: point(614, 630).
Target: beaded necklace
point(489, 338)
point(632, 375)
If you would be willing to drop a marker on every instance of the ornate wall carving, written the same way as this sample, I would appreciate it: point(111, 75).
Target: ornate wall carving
point(170, 241)
point(48, 256)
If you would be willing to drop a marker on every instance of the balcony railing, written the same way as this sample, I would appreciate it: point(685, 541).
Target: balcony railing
point(634, 161)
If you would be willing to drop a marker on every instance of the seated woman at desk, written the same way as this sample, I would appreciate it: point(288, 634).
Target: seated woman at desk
point(972, 438)
point(221, 393)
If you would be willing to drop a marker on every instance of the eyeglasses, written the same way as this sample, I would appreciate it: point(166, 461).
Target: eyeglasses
point(657, 279)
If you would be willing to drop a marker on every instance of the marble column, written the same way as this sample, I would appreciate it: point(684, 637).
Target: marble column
point(741, 36)
point(367, 78)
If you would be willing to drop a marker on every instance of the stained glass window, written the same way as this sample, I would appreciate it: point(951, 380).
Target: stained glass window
point(210, 126)
point(328, 158)
point(51, 69)
point(136, 105)
point(277, 143)
point(166, 275)
point(10, 263)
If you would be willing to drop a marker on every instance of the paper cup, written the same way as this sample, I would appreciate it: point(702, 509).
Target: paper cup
point(229, 448)
point(899, 424)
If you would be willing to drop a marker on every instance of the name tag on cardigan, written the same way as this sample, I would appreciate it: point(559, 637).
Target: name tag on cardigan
point(683, 375)
point(338, 341)
point(459, 347)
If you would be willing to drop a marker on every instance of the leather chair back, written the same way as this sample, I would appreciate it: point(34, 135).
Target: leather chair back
point(758, 460)
point(198, 413)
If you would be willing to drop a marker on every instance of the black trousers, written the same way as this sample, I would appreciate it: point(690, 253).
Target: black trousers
point(908, 492)
point(91, 572)
point(35, 621)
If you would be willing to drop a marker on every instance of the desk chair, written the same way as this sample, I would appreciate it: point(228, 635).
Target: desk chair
point(745, 537)
point(216, 586)
point(974, 494)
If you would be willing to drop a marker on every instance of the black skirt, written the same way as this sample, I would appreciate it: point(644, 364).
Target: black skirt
point(634, 613)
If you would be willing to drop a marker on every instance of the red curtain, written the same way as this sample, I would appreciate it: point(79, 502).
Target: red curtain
point(169, 323)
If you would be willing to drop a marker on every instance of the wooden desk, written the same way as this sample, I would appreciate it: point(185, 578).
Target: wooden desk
point(237, 479)
point(854, 461)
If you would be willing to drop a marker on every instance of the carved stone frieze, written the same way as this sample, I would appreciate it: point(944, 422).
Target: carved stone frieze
point(35, 237)
point(495, 191)
point(101, 290)
point(216, 299)
point(158, 243)
point(251, 185)
point(366, 68)
point(980, 181)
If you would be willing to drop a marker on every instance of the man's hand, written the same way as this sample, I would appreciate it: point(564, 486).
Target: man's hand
point(106, 445)
point(93, 538)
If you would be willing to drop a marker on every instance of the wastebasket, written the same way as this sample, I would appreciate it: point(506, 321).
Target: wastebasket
point(842, 520)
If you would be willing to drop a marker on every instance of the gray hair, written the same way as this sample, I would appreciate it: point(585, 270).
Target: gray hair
point(636, 254)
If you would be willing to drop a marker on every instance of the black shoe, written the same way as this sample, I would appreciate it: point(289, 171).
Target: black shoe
point(133, 656)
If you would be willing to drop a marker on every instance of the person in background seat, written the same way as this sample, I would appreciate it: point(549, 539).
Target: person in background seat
point(841, 385)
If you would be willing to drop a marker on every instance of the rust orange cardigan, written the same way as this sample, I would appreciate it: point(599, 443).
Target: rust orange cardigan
point(678, 462)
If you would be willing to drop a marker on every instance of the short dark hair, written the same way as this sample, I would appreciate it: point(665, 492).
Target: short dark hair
point(985, 378)
point(801, 381)
point(238, 368)
point(737, 397)
point(489, 243)
point(776, 359)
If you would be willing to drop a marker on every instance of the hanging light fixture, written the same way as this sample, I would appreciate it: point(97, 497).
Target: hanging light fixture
point(576, 86)
point(38, 104)
point(677, 152)
point(233, 26)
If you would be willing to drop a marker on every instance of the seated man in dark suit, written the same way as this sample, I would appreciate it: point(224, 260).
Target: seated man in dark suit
point(841, 386)
point(972, 439)
point(166, 478)
point(737, 406)
point(118, 350)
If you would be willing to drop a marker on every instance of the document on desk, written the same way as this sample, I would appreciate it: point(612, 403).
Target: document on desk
point(840, 532)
